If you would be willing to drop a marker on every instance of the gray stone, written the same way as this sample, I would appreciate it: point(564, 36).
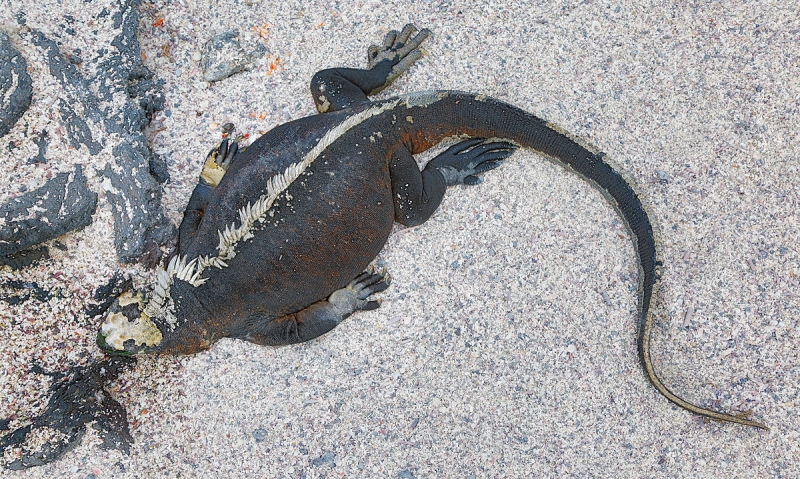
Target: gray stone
point(224, 56)
point(63, 204)
point(260, 434)
point(15, 85)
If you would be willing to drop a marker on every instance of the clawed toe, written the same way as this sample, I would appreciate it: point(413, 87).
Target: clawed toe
point(355, 296)
point(400, 50)
point(397, 46)
point(220, 159)
point(460, 163)
point(227, 151)
point(367, 284)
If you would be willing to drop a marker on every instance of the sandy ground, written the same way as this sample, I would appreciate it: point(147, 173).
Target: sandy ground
point(505, 346)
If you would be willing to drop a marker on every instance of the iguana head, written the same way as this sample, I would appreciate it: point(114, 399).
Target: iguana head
point(127, 330)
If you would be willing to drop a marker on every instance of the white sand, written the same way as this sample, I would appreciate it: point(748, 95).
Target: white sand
point(506, 344)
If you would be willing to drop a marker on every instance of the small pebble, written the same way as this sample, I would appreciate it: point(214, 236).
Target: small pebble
point(260, 434)
point(571, 349)
point(328, 458)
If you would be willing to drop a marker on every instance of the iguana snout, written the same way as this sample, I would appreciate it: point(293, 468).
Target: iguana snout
point(127, 330)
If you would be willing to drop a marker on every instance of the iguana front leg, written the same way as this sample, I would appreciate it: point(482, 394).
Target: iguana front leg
point(337, 88)
point(320, 317)
point(217, 163)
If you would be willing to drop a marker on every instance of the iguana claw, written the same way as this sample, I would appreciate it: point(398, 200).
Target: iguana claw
point(400, 49)
point(460, 163)
point(353, 297)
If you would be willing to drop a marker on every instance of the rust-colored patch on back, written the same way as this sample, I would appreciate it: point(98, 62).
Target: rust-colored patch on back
point(417, 140)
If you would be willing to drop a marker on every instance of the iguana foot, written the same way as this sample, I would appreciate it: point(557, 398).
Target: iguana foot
point(320, 317)
point(461, 162)
point(338, 88)
point(218, 161)
point(78, 398)
point(353, 297)
point(398, 52)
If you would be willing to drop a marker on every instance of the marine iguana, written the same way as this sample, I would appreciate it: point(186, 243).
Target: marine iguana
point(276, 239)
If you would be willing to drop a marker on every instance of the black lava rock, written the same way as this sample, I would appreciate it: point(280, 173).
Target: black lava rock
point(76, 93)
point(77, 398)
point(23, 259)
point(135, 200)
point(15, 85)
point(42, 143)
point(63, 204)
point(135, 173)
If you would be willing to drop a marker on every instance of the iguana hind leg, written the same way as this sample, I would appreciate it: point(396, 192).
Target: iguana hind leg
point(461, 163)
point(320, 317)
point(217, 163)
point(417, 193)
point(337, 88)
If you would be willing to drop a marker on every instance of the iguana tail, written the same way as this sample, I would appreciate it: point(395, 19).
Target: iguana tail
point(432, 117)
